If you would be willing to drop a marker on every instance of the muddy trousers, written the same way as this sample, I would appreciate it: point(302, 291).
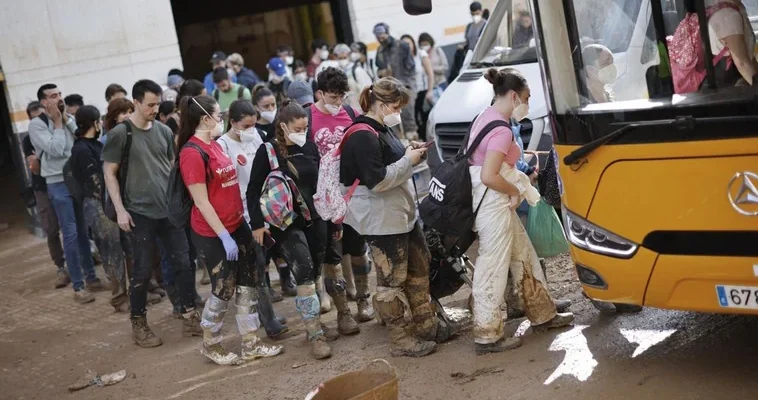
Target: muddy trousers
point(114, 248)
point(504, 246)
point(144, 238)
point(302, 247)
point(229, 279)
point(49, 221)
point(402, 282)
point(353, 245)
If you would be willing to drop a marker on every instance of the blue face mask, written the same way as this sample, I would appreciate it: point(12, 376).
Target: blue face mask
point(515, 127)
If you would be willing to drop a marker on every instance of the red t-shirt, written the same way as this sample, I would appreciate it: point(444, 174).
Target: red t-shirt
point(328, 129)
point(223, 186)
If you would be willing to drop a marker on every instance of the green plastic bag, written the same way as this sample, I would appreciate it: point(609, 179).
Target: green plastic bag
point(546, 231)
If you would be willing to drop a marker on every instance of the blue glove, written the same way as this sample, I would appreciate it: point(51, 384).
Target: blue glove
point(230, 246)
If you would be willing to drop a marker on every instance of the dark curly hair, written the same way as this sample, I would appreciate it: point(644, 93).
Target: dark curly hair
point(333, 80)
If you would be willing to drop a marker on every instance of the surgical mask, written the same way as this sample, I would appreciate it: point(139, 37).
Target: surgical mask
point(520, 111)
point(324, 54)
point(343, 63)
point(355, 57)
point(275, 78)
point(392, 119)
point(426, 48)
point(607, 74)
point(301, 76)
point(334, 110)
point(477, 19)
point(249, 134)
point(269, 116)
point(289, 60)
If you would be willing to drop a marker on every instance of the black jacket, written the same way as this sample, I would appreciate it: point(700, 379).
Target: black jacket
point(87, 168)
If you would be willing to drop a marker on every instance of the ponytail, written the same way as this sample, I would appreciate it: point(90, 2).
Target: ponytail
point(86, 119)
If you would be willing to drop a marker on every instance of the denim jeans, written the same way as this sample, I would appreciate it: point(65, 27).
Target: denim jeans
point(144, 237)
point(76, 244)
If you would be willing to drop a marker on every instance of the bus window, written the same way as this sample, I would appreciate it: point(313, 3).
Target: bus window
point(508, 38)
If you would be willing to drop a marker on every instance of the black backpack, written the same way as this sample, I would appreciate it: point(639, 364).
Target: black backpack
point(449, 209)
point(240, 93)
point(179, 200)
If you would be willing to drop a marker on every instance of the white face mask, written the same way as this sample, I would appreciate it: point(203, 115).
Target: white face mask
point(269, 116)
point(477, 19)
point(608, 74)
point(355, 57)
point(343, 63)
point(392, 119)
point(426, 48)
point(289, 60)
point(520, 111)
point(249, 134)
point(297, 138)
point(275, 78)
point(301, 76)
point(334, 110)
point(324, 54)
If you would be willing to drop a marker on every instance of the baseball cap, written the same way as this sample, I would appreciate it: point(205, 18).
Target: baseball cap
point(218, 56)
point(277, 65)
point(301, 92)
point(174, 81)
point(381, 28)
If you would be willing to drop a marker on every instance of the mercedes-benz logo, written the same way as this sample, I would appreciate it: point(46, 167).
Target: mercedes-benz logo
point(744, 185)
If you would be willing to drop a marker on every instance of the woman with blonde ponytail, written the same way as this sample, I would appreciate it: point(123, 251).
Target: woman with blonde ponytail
point(302, 244)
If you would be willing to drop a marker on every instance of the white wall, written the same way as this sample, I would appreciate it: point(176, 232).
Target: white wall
point(83, 46)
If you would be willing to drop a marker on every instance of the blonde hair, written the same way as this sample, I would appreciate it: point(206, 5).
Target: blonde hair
point(386, 90)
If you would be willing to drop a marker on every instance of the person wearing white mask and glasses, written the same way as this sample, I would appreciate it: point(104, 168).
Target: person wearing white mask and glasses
point(301, 242)
point(503, 242)
point(601, 72)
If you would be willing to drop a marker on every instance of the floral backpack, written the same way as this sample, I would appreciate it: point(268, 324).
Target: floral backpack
point(329, 201)
point(686, 53)
point(280, 195)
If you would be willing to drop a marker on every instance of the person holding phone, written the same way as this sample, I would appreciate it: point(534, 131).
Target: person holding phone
point(240, 143)
point(223, 240)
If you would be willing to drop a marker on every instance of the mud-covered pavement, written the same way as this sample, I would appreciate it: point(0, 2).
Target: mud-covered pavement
point(47, 341)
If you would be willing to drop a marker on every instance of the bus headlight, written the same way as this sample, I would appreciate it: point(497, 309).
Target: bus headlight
point(588, 236)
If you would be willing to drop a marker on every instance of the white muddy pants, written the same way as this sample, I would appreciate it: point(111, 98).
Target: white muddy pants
point(503, 246)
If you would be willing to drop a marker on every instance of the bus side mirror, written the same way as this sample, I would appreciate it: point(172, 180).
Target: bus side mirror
point(417, 7)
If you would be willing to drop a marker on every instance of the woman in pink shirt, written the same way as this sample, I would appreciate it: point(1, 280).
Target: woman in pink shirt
point(503, 242)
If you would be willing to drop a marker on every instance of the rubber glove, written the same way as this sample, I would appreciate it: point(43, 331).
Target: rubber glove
point(230, 246)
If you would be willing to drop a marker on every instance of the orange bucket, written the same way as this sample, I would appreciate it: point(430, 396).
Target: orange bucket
point(377, 381)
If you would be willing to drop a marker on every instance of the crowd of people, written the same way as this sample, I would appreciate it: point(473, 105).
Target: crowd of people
point(248, 155)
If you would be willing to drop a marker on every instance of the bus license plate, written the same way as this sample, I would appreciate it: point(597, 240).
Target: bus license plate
point(737, 296)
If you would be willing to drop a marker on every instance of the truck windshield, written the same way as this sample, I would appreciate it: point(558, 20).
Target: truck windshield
point(508, 37)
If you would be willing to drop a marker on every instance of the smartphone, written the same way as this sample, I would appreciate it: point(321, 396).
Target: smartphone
point(428, 144)
point(268, 241)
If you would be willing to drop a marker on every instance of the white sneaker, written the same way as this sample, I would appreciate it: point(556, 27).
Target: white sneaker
point(218, 354)
point(255, 349)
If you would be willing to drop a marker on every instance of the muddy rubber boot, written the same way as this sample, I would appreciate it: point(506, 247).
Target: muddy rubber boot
point(191, 324)
point(504, 344)
point(365, 310)
point(62, 279)
point(320, 349)
point(142, 335)
point(346, 324)
point(274, 326)
point(324, 300)
point(347, 271)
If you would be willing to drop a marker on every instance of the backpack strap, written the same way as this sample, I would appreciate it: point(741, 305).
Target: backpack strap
point(204, 156)
point(216, 94)
point(273, 162)
point(350, 112)
point(308, 133)
point(480, 136)
point(240, 92)
point(123, 167)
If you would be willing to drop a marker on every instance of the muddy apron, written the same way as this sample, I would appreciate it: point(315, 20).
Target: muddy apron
point(503, 246)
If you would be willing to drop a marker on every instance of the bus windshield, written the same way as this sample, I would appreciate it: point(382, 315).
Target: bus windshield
point(508, 37)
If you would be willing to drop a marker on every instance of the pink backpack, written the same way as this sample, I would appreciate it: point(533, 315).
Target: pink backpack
point(686, 53)
point(328, 200)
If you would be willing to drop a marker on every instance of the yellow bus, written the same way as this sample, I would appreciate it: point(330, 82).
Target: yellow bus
point(659, 190)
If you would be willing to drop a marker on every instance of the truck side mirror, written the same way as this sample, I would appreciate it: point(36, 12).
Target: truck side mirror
point(417, 7)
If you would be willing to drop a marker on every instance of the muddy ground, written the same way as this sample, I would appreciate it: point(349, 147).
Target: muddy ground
point(47, 341)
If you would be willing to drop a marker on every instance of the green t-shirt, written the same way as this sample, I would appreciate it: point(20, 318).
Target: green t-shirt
point(150, 160)
point(225, 99)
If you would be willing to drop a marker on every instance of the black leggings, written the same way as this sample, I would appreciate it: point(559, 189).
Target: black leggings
point(303, 248)
point(226, 275)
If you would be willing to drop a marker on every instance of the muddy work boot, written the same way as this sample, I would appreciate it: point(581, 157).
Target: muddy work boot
point(392, 306)
point(504, 344)
point(346, 325)
point(559, 321)
point(365, 310)
point(83, 296)
point(62, 279)
point(320, 349)
point(142, 334)
point(191, 324)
